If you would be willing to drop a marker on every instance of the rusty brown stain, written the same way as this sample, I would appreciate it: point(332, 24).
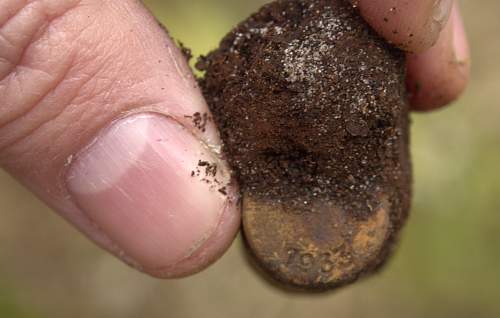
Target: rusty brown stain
point(288, 247)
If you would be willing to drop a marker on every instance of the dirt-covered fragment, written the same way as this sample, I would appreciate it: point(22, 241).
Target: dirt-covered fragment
point(312, 109)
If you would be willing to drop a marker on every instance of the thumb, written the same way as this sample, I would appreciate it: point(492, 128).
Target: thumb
point(101, 118)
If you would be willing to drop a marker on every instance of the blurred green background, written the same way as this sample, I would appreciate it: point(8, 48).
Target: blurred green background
point(448, 263)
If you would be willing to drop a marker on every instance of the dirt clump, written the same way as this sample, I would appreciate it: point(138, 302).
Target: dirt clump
point(312, 109)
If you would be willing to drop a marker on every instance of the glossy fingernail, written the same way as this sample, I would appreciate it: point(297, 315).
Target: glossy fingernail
point(152, 187)
point(460, 45)
point(441, 11)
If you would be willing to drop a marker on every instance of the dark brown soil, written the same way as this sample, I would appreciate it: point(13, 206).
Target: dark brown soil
point(311, 105)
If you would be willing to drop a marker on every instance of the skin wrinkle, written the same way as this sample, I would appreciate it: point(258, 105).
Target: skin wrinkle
point(16, 12)
point(77, 93)
point(6, 144)
point(26, 135)
point(4, 39)
point(4, 62)
point(35, 36)
point(53, 118)
point(18, 61)
point(50, 88)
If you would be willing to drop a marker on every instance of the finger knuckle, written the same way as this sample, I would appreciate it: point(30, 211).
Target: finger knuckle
point(38, 80)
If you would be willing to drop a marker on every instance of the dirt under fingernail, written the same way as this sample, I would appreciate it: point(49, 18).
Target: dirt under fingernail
point(312, 109)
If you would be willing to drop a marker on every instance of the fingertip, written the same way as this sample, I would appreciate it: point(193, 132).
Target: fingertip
point(413, 26)
point(440, 75)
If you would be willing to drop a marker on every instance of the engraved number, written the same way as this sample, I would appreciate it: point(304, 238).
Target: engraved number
point(293, 253)
point(326, 262)
point(307, 260)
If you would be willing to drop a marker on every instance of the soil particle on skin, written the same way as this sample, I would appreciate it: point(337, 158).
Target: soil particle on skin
point(311, 106)
point(210, 168)
point(200, 120)
point(186, 52)
point(207, 172)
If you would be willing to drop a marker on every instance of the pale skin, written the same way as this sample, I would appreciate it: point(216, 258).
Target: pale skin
point(94, 106)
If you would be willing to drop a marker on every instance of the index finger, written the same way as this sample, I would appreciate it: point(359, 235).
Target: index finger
point(413, 26)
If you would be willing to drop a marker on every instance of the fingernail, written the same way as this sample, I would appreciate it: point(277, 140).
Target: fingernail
point(440, 14)
point(460, 44)
point(152, 187)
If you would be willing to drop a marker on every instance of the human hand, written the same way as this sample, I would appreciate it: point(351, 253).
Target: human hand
point(96, 118)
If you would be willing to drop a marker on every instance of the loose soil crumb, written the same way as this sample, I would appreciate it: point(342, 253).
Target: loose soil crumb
point(186, 52)
point(200, 120)
point(207, 172)
point(311, 105)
